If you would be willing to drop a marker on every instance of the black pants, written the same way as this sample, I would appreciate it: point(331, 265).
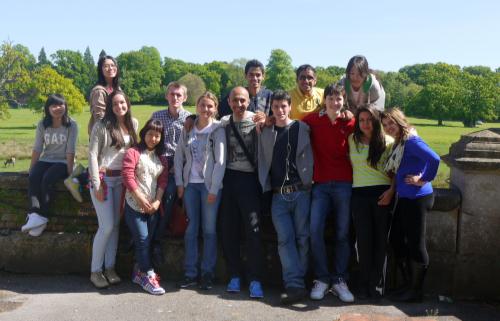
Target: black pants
point(42, 178)
point(371, 223)
point(240, 205)
point(408, 228)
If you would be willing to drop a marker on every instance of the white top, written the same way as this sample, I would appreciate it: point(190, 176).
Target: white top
point(198, 147)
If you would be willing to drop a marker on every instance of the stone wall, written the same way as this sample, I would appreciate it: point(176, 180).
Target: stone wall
point(66, 245)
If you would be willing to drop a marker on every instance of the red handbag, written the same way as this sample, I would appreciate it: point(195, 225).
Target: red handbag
point(179, 219)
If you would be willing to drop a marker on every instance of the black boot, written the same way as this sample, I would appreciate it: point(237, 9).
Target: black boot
point(403, 266)
point(414, 293)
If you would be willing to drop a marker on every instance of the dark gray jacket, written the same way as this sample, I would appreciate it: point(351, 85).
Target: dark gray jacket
point(303, 160)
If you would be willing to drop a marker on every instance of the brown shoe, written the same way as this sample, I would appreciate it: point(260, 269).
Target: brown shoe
point(112, 277)
point(99, 280)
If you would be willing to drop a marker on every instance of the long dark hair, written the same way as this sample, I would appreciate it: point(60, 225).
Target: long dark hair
point(101, 80)
point(55, 99)
point(157, 126)
point(377, 140)
point(112, 125)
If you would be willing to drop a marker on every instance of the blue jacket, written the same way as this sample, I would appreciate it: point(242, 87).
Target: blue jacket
point(417, 159)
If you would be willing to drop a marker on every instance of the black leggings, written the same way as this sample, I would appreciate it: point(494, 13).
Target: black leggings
point(408, 228)
point(42, 177)
point(371, 223)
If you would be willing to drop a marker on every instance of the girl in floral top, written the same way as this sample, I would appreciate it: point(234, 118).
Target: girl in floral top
point(145, 176)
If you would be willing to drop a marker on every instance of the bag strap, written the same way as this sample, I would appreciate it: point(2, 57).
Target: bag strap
point(240, 141)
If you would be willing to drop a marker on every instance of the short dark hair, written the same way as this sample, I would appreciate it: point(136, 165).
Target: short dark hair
point(100, 76)
point(157, 126)
point(281, 95)
point(254, 63)
point(55, 99)
point(334, 89)
point(303, 68)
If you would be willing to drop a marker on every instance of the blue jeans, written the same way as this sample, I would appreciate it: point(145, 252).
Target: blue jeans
point(198, 209)
point(290, 214)
point(142, 227)
point(169, 196)
point(336, 196)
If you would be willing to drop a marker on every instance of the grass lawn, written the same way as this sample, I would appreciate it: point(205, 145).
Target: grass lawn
point(18, 132)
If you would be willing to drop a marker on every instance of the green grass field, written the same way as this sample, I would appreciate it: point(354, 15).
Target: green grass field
point(18, 132)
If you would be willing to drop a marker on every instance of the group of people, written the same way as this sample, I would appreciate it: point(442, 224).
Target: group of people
point(319, 152)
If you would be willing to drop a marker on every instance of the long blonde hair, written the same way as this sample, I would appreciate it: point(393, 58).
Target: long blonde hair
point(397, 116)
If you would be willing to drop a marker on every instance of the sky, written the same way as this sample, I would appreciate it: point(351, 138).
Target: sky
point(391, 34)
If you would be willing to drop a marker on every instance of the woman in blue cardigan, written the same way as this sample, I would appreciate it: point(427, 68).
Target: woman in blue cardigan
point(414, 165)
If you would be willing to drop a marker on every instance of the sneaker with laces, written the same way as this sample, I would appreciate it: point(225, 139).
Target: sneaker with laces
point(206, 282)
point(33, 220)
point(98, 280)
point(73, 187)
point(111, 276)
point(319, 290)
point(342, 291)
point(37, 231)
point(136, 277)
point(233, 285)
point(256, 291)
point(187, 282)
point(151, 284)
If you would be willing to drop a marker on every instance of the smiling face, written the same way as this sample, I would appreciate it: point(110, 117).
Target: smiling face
point(152, 138)
point(281, 110)
point(254, 77)
point(120, 106)
point(365, 120)
point(306, 81)
point(391, 128)
point(334, 102)
point(239, 100)
point(57, 111)
point(206, 108)
point(356, 78)
point(109, 69)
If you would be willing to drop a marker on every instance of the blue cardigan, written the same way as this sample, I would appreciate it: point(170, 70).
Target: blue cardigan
point(417, 158)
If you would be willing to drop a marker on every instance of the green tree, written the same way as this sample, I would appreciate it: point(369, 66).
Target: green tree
point(399, 90)
point(46, 81)
point(14, 76)
point(478, 101)
point(42, 58)
point(89, 62)
point(142, 74)
point(479, 70)
point(70, 64)
point(279, 70)
point(195, 85)
point(329, 75)
point(102, 53)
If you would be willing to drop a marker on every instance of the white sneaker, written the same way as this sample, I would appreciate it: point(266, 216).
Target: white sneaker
point(34, 220)
point(342, 291)
point(319, 290)
point(37, 231)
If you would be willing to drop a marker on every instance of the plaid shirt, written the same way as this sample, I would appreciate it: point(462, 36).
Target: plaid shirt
point(172, 128)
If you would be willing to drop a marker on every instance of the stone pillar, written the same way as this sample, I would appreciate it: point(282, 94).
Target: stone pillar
point(474, 163)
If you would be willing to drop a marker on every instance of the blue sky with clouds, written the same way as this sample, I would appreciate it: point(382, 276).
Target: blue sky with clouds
point(391, 34)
